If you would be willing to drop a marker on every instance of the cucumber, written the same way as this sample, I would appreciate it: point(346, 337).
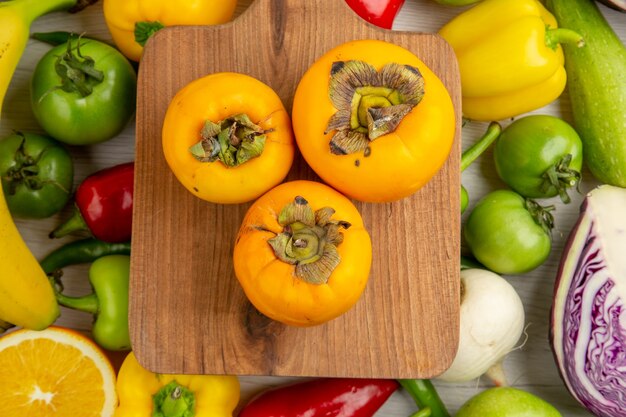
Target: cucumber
point(596, 79)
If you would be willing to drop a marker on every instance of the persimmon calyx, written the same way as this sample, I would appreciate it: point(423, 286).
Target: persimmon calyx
point(369, 103)
point(309, 240)
point(233, 141)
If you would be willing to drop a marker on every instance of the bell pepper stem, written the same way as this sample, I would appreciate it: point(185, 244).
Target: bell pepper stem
point(493, 132)
point(88, 303)
point(541, 214)
point(173, 400)
point(144, 30)
point(556, 36)
point(425, 396)
point(74, 224)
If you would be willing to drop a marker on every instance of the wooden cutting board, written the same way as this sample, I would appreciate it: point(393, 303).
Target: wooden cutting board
point(188, 313)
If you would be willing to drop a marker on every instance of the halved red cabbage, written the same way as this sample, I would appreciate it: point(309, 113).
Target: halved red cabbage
point(588, 332)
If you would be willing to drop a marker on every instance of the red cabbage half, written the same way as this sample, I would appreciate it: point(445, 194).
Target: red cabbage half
point(588, 334)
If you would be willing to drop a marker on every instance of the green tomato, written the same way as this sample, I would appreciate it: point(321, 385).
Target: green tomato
point(37, 175)
point(506, 402)
point(508, 233)
point(539, 156)
point(83, 92)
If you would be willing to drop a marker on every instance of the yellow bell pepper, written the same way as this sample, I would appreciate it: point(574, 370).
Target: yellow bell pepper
point(132, 22)
point(509, 56)
point(145, 394)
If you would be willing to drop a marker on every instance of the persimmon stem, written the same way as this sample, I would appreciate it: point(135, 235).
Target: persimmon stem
point(309, 240)
point(369, 103)
point(233, 141)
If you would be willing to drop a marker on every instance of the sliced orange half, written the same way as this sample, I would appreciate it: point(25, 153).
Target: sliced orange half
point(54, 372)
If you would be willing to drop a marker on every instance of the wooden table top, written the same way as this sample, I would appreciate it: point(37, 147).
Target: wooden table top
point(531, 367)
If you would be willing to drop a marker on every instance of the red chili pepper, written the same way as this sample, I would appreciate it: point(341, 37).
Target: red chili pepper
point(323, 397)
point(103, 205)
point(378, 12)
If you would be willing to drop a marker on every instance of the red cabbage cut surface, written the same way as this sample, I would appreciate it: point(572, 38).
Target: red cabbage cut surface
point(588, 334)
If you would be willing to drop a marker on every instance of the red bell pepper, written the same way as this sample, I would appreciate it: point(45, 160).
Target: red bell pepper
point(378, 12)
point(322, 397)
point(103, 205)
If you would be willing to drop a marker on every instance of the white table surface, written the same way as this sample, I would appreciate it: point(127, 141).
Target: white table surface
point(531, 367)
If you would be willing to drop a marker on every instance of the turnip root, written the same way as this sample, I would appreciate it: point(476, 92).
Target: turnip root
point(492, 321)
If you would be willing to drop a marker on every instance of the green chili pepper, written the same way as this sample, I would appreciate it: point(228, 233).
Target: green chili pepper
point(109, 278)
point(52, 38)
point(426, 397)
point(57, 38)
point(81, 252)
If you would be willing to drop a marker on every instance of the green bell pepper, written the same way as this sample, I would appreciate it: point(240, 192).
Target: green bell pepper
point(109, 278)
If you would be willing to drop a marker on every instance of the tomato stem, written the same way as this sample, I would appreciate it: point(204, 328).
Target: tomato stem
point(19, 172)
point(77, 72)
point(540, 214)
point(561, 177)
point(493, 132)
point(25, 171)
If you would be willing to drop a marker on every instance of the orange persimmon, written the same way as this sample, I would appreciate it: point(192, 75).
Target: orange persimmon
point(373, 120)
point(302, 254)
point(227, 138)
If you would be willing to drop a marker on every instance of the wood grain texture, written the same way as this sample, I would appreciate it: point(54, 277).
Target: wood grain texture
point(188, 313)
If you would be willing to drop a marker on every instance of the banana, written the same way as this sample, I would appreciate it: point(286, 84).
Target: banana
point(26, 296)
point(16, 17)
